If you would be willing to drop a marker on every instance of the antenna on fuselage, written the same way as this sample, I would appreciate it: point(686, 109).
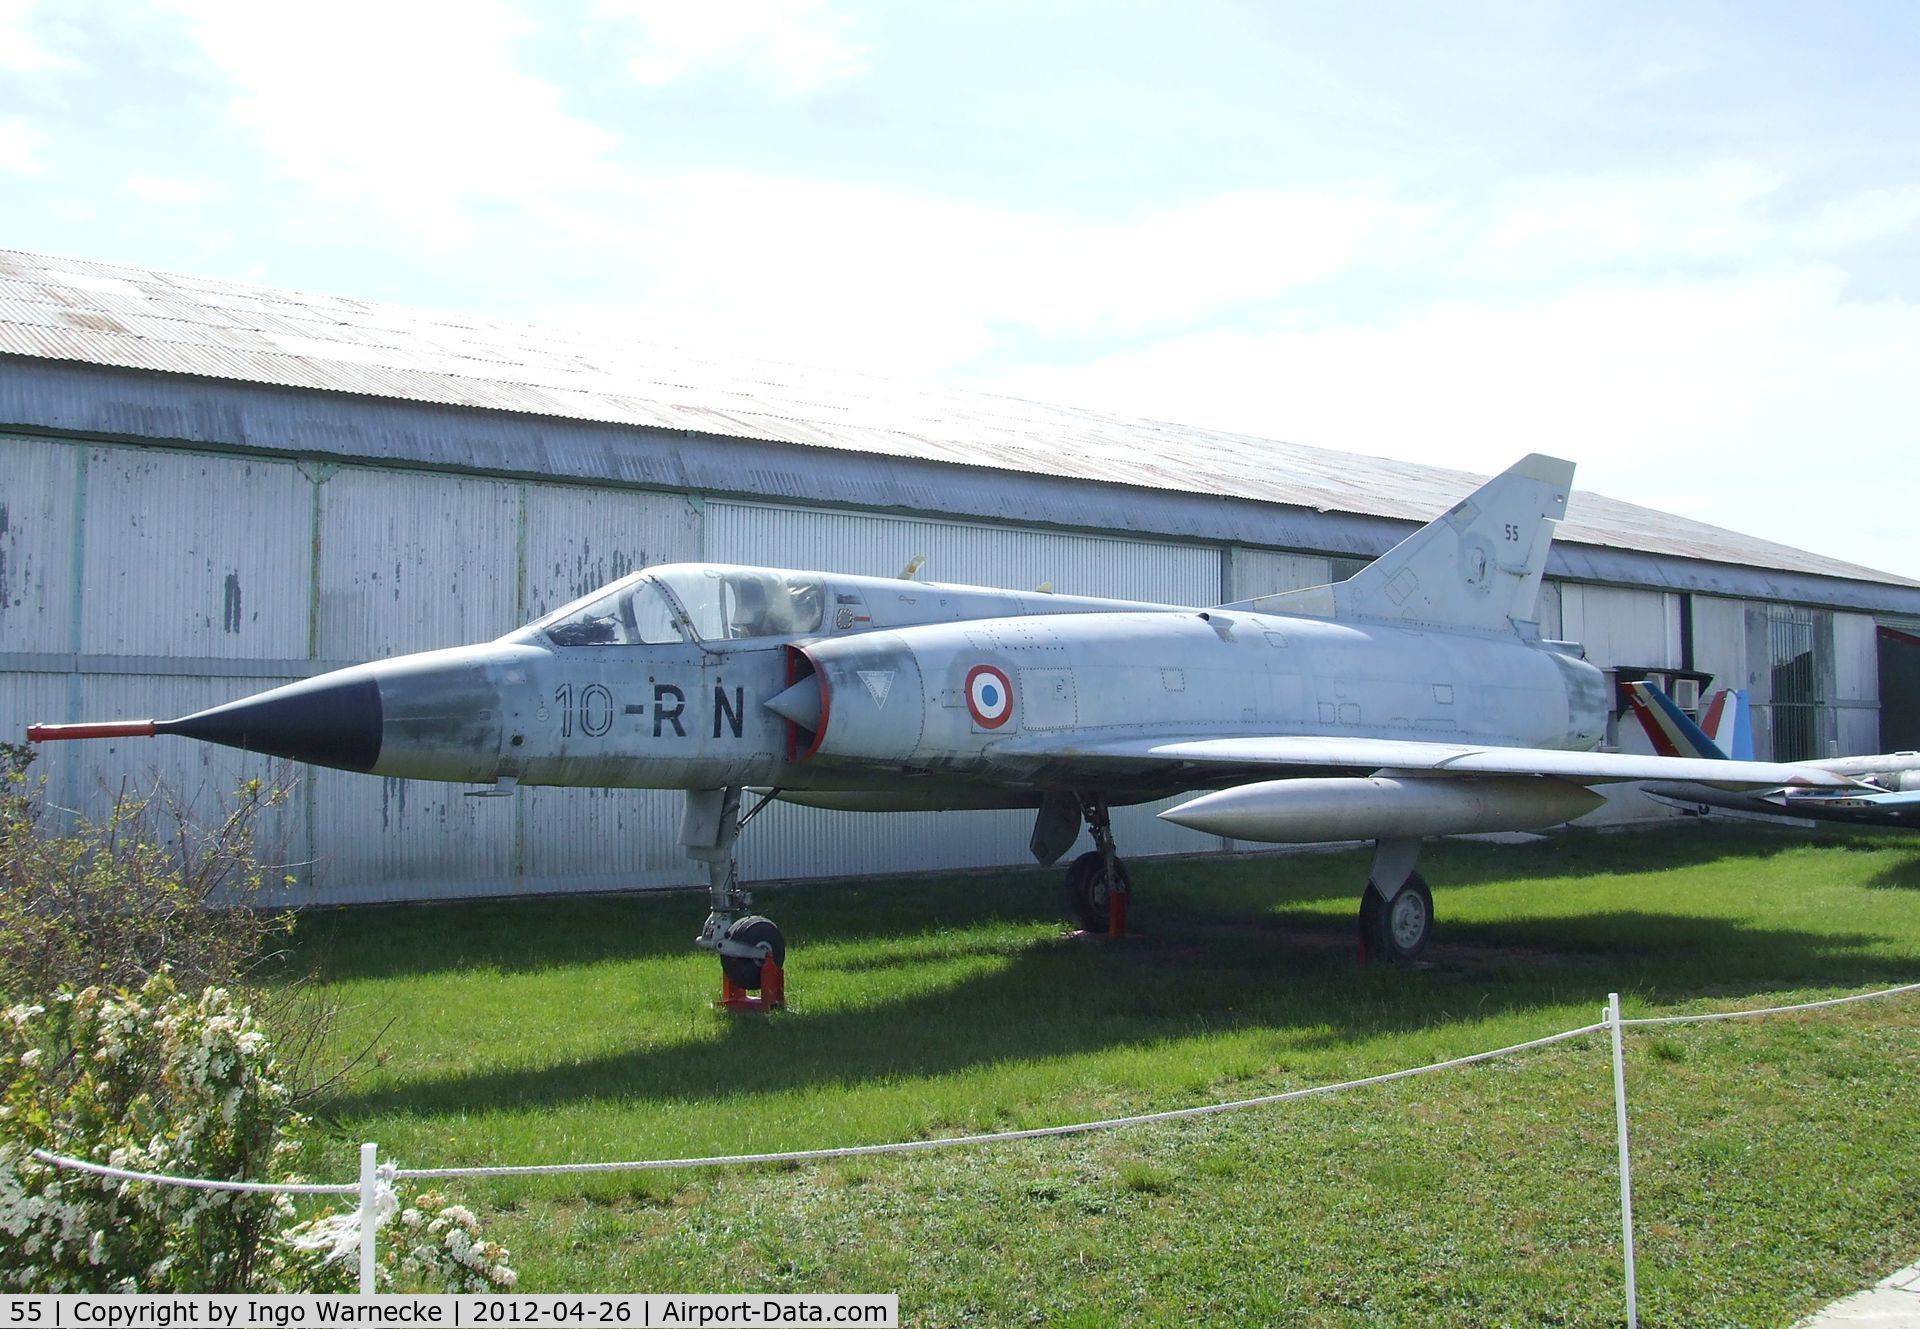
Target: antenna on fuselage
point(912, 570)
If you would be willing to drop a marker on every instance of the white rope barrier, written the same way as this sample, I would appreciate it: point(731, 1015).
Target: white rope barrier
point(955, 1141)
point(375, 1195)
point(193, 1183)
point(996, 1137)
point(1772, 1010)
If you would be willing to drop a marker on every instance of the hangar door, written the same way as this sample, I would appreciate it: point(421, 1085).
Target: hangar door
point(1899, 690)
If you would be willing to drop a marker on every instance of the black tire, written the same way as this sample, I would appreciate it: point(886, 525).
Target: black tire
point(1371, 907)
point(1398, 930)
point(744, 971)
point(1089, 885)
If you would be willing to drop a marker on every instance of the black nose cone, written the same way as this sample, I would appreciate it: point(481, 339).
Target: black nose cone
point(332, 720)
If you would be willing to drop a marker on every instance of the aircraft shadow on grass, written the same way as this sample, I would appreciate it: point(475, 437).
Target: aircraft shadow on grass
point(531, 935)
point(1902, 876)
point(1192, 971)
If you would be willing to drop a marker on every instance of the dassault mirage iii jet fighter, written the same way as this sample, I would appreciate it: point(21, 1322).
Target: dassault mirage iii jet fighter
point(1415, 699)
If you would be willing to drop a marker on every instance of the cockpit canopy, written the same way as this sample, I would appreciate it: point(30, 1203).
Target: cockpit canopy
point(691, 602)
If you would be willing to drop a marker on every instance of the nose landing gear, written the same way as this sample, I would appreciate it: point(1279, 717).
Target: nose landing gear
point(751, 948)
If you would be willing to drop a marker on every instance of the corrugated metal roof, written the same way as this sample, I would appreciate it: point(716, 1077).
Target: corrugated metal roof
point(107, 314)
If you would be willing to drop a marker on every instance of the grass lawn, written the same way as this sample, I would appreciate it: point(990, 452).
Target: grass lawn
point(1777, 1160)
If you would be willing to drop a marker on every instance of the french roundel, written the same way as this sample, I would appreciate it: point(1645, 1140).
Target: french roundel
point(989, 696)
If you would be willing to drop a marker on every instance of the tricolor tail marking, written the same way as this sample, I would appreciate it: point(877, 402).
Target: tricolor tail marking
point(1668, 728)
point(1728, 721)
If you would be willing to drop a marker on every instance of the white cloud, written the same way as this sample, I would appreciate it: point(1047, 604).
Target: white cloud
point(160, 189)
point(20, 51)
point(1709, 214)
point(1691, 336)
point(1553, 234)
point(1861, 218)
point(1767, 405)
point(797, 45)
point(20, 145)
point(906, 285)
point(417, 109)
point(914, 285)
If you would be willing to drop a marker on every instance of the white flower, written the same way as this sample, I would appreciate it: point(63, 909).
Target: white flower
point(18, 1016)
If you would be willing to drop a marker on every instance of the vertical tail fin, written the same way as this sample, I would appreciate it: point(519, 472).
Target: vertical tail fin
point(1478, 566)
point(1669, 729)
point(1728, 721)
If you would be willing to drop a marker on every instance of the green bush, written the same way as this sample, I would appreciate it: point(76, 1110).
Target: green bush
point(109, 902)
point(160, 1081)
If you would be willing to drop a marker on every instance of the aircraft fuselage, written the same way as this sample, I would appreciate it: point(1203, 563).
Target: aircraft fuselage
point(934, 713)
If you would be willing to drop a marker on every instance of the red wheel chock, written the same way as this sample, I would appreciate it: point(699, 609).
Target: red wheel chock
point(1117, 914)
point(773, 991)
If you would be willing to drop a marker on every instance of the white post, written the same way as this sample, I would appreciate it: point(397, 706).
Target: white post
point(1626, 1170)
point(369, 1199)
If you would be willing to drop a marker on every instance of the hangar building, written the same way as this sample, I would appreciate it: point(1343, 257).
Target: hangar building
point(209, 488)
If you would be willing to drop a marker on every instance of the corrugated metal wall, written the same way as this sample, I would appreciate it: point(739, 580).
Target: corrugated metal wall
point(411, 562)
point(194, 556)
point(973, 554)
point(1256, 572)
point(137, 582)
point(1856, 682)
point(1620, 626)
point(37, 510)
point(1720, 643)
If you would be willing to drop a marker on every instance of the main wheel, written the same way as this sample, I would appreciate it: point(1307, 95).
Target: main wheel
point(1089, 885)
point(743, 971)
point(1398, 929)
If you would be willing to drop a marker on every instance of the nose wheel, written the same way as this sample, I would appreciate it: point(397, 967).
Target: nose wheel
point(749, 943)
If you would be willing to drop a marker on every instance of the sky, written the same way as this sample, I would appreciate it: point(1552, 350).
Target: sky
point(1678, 243)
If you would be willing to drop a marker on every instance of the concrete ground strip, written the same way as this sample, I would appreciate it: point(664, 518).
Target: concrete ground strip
point(1892, 1303)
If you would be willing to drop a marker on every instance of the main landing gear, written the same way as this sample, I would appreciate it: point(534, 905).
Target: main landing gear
point(752, 952)
point(1098, 886)
point(1396, 913)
